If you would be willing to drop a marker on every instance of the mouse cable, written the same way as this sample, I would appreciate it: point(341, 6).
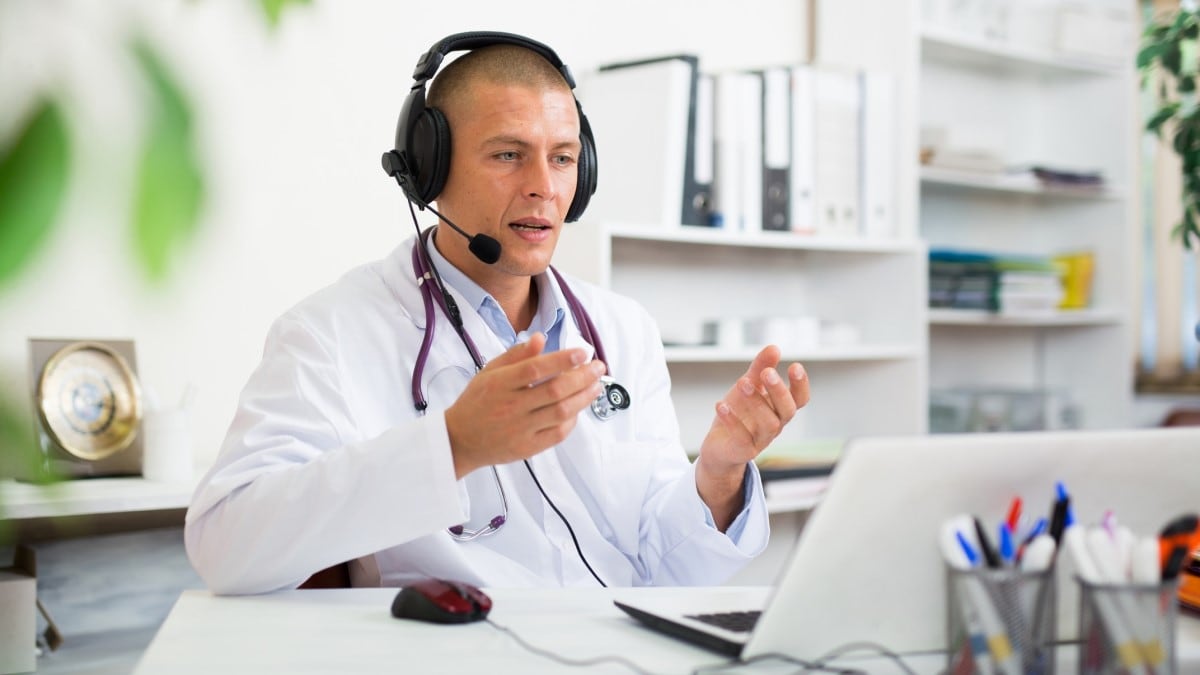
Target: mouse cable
point(806, 666)
point(864, 645)
point(570, 530)
point(567, 661)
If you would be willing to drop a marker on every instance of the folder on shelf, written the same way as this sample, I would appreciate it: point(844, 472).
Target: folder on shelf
point(837, 106)
point(776, 149)
point(878, 156)
point(802, 197)
point(738, 179)
point(644, 115)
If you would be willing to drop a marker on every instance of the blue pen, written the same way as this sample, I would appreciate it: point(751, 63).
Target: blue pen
point(1060, 492)
point(1038, 528)
point(1006, 545)
point(968, 550)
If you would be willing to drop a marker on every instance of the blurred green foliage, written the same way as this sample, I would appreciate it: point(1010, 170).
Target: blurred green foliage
point(168, 197)
point(1169, 45)
point(273, 9)
point(169, 188)
point(33, 181)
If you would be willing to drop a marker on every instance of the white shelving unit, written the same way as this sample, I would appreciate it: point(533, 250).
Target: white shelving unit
point(91, 496)
point(686, 275)
point(1057, 111)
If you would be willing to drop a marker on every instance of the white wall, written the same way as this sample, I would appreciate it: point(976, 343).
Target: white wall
point(292, 126)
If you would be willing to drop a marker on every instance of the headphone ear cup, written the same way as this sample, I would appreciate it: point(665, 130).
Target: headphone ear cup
point(430, 149)
point(585, 184)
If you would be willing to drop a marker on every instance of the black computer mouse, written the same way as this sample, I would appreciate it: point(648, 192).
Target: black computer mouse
point(441, 601)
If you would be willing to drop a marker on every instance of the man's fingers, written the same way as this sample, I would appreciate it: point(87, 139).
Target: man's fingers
point(799, 385)
point(768, 357)
point(520, 352)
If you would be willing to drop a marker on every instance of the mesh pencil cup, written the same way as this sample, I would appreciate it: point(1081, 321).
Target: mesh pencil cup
point(1000, 621)
point(1127, 628)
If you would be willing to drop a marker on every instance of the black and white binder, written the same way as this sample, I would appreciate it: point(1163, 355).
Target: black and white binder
point(646, 116)
point(776, 149)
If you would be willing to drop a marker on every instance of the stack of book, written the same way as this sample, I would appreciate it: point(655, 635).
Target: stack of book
point(995, 283)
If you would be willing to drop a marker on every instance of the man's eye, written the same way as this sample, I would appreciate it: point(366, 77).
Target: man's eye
point(564, 160)
point(507, 156)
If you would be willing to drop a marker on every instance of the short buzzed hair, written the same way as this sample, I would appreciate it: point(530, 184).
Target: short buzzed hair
point(499, 64)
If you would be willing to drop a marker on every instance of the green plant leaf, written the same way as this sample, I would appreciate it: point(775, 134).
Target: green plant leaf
point(1171, 58)
point(273, 9)
point(169, 192)
point(1160, 117)
point(1148, 53)
point(19, 454)
point(33, 182)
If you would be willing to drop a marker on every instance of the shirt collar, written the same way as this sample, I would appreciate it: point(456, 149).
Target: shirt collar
point(547, 320)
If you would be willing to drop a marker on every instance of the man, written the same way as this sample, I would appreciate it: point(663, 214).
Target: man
point(507, 479)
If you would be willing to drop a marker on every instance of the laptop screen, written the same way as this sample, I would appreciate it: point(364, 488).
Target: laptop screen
point(867, 565)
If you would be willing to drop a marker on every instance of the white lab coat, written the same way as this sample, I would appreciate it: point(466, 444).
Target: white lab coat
point(326, 460)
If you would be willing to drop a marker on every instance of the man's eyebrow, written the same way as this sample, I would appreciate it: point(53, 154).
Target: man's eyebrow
point(504, 139)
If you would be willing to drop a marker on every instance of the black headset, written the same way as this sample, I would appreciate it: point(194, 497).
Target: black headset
point(420, 161)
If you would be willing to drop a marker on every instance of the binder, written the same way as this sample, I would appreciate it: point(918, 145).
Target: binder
point(750, 140)
point(837, 101)
point(644, 116)
point(878, 156)
point(776, 149)
point(727, 129)
point(802, 196)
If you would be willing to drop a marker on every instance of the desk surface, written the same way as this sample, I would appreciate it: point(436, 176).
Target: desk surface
point(351, 630)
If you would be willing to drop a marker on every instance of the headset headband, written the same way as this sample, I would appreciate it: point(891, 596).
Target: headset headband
point(430, 61)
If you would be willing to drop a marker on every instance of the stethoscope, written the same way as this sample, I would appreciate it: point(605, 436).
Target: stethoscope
point(614, 397)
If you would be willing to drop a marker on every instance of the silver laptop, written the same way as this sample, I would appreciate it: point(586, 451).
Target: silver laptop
point(867, 564)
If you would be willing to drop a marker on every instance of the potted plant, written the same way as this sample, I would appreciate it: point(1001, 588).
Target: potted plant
point(1169, 46)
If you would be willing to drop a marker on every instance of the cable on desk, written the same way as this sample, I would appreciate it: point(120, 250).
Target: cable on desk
point(620, 660)
point(873, 647)
point(805, 666)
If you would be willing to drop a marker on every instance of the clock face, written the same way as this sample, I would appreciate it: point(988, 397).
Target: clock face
point(89, 400)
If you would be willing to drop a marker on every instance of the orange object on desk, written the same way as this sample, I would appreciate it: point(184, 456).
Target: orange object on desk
point(1189, 584)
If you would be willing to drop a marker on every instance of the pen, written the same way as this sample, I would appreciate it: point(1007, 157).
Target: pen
point(1111, 570)
point(1039, 527)
point(1144, 570)
point(1007, 555)
point(1058, 518)
point(989, 644)
point(1013, 519)
point(985, 545)
point(1128, 653)
point(1060, 491)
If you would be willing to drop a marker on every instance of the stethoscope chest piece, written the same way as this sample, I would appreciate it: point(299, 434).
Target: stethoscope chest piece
point(613, 398)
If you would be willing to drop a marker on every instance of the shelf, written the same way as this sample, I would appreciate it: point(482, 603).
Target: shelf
point(848, 353)
point(775, 240)
point(970, 180)
point(90, 496)
point(949, 47)
point(969, 317)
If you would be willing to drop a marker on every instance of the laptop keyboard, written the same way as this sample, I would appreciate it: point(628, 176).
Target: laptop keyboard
point(737, 622)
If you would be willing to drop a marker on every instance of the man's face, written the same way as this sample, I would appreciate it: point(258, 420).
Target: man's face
point(513, 168)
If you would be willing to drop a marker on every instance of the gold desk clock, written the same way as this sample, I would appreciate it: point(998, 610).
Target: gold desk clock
point(88, 406)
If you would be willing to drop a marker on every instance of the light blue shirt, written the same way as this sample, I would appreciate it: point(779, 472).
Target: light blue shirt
point(549, 321)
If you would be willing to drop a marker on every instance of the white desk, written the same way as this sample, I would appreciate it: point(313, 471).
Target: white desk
point(340, 631)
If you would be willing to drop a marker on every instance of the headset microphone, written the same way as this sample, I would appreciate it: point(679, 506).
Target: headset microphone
point(484, 247)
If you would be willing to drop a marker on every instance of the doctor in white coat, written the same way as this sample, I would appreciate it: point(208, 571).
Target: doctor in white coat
point(523, 473)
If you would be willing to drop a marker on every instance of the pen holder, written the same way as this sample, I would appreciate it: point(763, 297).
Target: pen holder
point(1001, 621)
point(1127, 628)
